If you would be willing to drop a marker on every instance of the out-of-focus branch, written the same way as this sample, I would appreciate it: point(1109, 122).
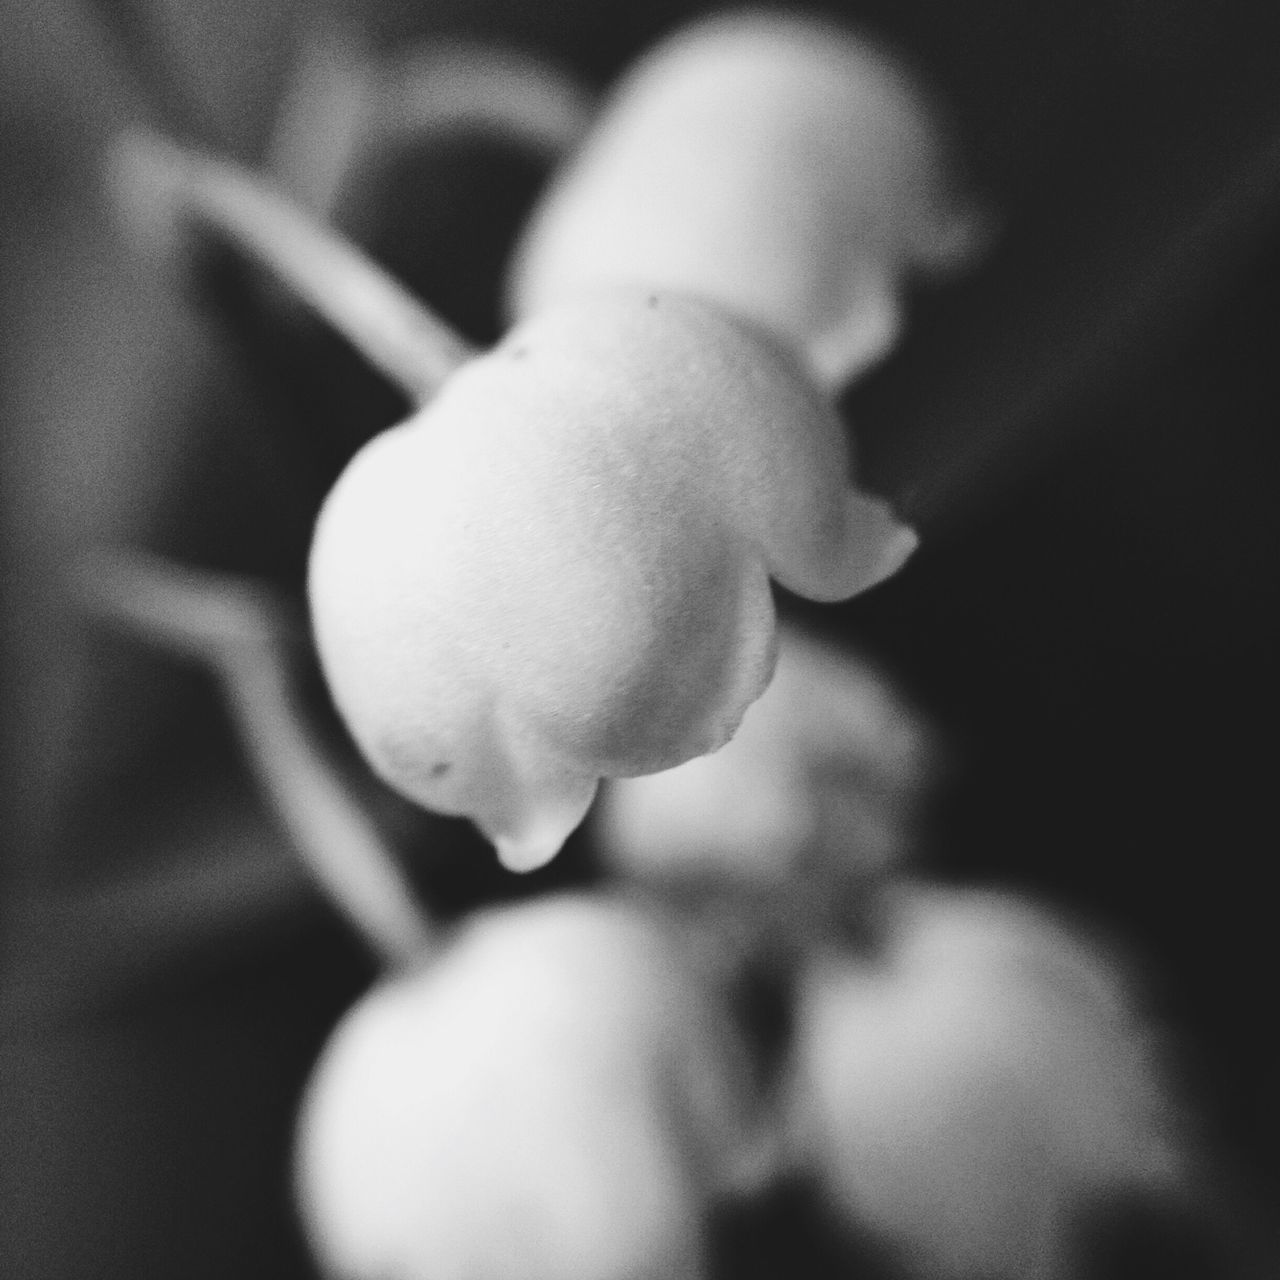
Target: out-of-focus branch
point(241, 631)
point(457, 85)
point(346, 111)
point(158, 186)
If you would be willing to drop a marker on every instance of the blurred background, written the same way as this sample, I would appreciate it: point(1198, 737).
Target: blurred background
point(1085, 430)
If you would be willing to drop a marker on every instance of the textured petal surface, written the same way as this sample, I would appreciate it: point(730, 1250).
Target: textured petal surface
point(559, 570)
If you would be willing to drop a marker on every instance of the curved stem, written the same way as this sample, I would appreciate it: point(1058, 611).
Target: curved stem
point(345, 109)
point(454, 85)
point(243, 633)
point(321, 114)
point(160, 185)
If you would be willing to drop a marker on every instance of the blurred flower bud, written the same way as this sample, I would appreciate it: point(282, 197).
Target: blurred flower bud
point(815, 795)
point(558, 1096)
point(777, 165)
point(970, 1095)
point(558, 570)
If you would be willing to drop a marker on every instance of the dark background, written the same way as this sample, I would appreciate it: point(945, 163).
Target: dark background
point(1085, 430)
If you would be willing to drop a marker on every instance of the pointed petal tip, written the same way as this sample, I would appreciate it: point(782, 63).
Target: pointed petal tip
point(526, 854)
point(899, 545)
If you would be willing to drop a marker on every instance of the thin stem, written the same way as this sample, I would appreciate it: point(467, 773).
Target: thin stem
point(346, 111)
point(455, 85)
point(243, 633)
point(161, 185)
point(321, 114)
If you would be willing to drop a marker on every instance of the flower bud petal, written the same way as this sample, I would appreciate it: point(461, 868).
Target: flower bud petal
point(967, 1097)
point(559, 569)
point(558, 1096)
point(781, 166)
point(824, 771)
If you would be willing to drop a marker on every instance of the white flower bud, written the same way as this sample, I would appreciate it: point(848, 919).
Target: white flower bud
point(967, 1096)
point(559, 1096)
point(821, 777)
point(777, 165)
point(559, 569)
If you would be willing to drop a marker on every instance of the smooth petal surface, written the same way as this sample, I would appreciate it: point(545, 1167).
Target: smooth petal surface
point(557, 1097)
point(781, 166)
point(559, 570)
point(971, 1093)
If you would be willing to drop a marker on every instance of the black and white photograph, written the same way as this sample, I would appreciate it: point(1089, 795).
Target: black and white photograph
point(639, 640)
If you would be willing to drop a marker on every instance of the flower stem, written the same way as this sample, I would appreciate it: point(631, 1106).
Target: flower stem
point(160, 185)
point(453, 85)
point(243, 633)
point(347, 113)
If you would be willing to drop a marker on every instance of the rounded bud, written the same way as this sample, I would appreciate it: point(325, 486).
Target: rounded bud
point(777, 165)
point(559, 569)
point(559, 1095)
point(822, 776)
point(967, 1095)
